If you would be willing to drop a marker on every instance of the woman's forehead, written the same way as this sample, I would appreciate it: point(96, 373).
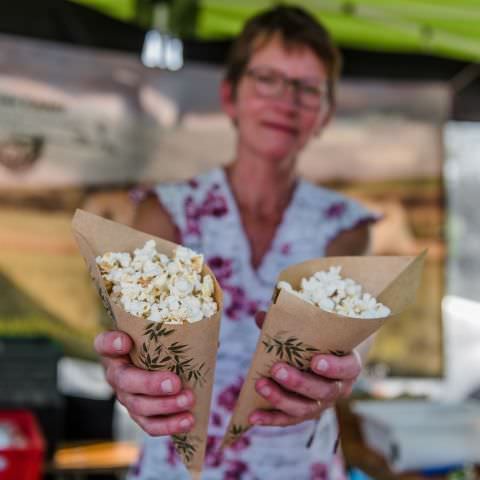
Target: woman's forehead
point(275, 51)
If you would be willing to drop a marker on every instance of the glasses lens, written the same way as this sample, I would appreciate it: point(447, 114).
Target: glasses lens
point(311, 96)
point(268, 83)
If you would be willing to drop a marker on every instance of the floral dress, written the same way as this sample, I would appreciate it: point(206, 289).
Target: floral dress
point(207, 217)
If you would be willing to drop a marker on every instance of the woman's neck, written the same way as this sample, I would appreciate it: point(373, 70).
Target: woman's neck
point(262, 188)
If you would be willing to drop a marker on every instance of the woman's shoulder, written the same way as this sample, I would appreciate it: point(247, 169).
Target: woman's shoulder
point(352, 241)
point(344, 220)
point(172, 206)
point(332, 205)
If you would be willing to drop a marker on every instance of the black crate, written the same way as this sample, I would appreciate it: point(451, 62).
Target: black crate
point(28, 371)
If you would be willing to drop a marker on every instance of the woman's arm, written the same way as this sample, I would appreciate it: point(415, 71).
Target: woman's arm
point(355, 241)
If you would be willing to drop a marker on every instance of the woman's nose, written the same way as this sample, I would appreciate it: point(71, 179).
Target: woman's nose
point(291, 97)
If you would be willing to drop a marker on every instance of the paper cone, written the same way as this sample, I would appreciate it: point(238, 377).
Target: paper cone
point(190, 349)
point(295, 330)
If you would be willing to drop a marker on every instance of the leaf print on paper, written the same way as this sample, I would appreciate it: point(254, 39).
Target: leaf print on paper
point(289, 349)
point(103, 294)
point(156, 330)
point(185, 446)
point(235, 432)
point(338, 353)
point(155, 355)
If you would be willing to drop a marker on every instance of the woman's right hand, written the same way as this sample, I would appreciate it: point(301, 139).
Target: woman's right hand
point(154, 400)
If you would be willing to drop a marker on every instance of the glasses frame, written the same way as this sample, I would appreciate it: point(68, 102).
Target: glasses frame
point(297, 84)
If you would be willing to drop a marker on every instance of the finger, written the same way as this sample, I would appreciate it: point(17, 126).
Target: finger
point(113, 344)
point(341, 368)
point(130, 379)
point(272, 418)
point(288, 403)
point(306, 384)
point(169, 425)
point(260, 318)
point(145, 406)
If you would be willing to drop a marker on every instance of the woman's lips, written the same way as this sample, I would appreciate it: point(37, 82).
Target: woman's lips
point(281, 127)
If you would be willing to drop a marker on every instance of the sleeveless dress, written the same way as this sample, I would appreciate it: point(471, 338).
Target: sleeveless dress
point(207, 217)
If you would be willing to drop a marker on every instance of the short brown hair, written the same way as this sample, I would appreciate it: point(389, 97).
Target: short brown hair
point(296, 27)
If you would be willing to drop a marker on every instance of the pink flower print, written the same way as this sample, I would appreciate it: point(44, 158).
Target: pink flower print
point(216, 419)
point(172, 458)
point(193, 215)
point(222, 268)
point(318, 471)
point(193, 183)
point(286, 249)
point(240, 304)
point(215, 203)
point(229, 395)
point(214, 454)
point(336, 210)
point(235, 470)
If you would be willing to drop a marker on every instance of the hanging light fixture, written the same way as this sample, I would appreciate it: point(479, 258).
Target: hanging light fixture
point(160, 49)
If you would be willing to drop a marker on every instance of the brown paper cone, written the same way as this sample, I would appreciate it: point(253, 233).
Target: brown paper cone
point(187, 350)
point(295, 330)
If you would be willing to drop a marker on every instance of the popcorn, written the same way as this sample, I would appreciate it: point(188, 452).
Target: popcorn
point(151, 285)
point(332, 293)
point(207, 287)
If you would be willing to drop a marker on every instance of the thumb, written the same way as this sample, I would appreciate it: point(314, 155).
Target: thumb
point(260, 318)
point(113, 344)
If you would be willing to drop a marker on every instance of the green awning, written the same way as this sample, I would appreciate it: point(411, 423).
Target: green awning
point(448, 28)
point(125, 10)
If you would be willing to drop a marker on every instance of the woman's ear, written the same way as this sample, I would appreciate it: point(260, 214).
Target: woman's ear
point(227, 100)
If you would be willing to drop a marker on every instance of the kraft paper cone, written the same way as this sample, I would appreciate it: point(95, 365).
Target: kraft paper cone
point(295, 330)
point(188, 350)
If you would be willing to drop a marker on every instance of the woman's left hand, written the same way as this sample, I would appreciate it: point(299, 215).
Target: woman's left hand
point(297, 395)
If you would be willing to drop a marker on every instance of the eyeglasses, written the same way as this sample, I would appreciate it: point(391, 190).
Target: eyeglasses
point(271, 83)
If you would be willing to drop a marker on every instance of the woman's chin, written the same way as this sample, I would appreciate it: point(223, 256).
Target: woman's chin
point(277, 150)
point(276, 155)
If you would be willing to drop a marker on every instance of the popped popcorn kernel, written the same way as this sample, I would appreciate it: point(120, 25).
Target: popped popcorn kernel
point(151, 285)
point(332, 293)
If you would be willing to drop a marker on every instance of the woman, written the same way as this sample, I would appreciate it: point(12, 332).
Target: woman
point(251, 220)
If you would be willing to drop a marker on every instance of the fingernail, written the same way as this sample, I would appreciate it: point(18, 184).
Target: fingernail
point(167, 386)
point(256, 420)
point(322, 365)
point(118, 344)
point(185, 423)
point(266, 391)
point(339, 385)
point(281, 374)
point(182, 401)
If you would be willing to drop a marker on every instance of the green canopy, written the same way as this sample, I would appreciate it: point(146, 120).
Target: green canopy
point(124, 10)
point(448, 28)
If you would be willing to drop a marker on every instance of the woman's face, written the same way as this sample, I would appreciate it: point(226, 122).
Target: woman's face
point(278, 126)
